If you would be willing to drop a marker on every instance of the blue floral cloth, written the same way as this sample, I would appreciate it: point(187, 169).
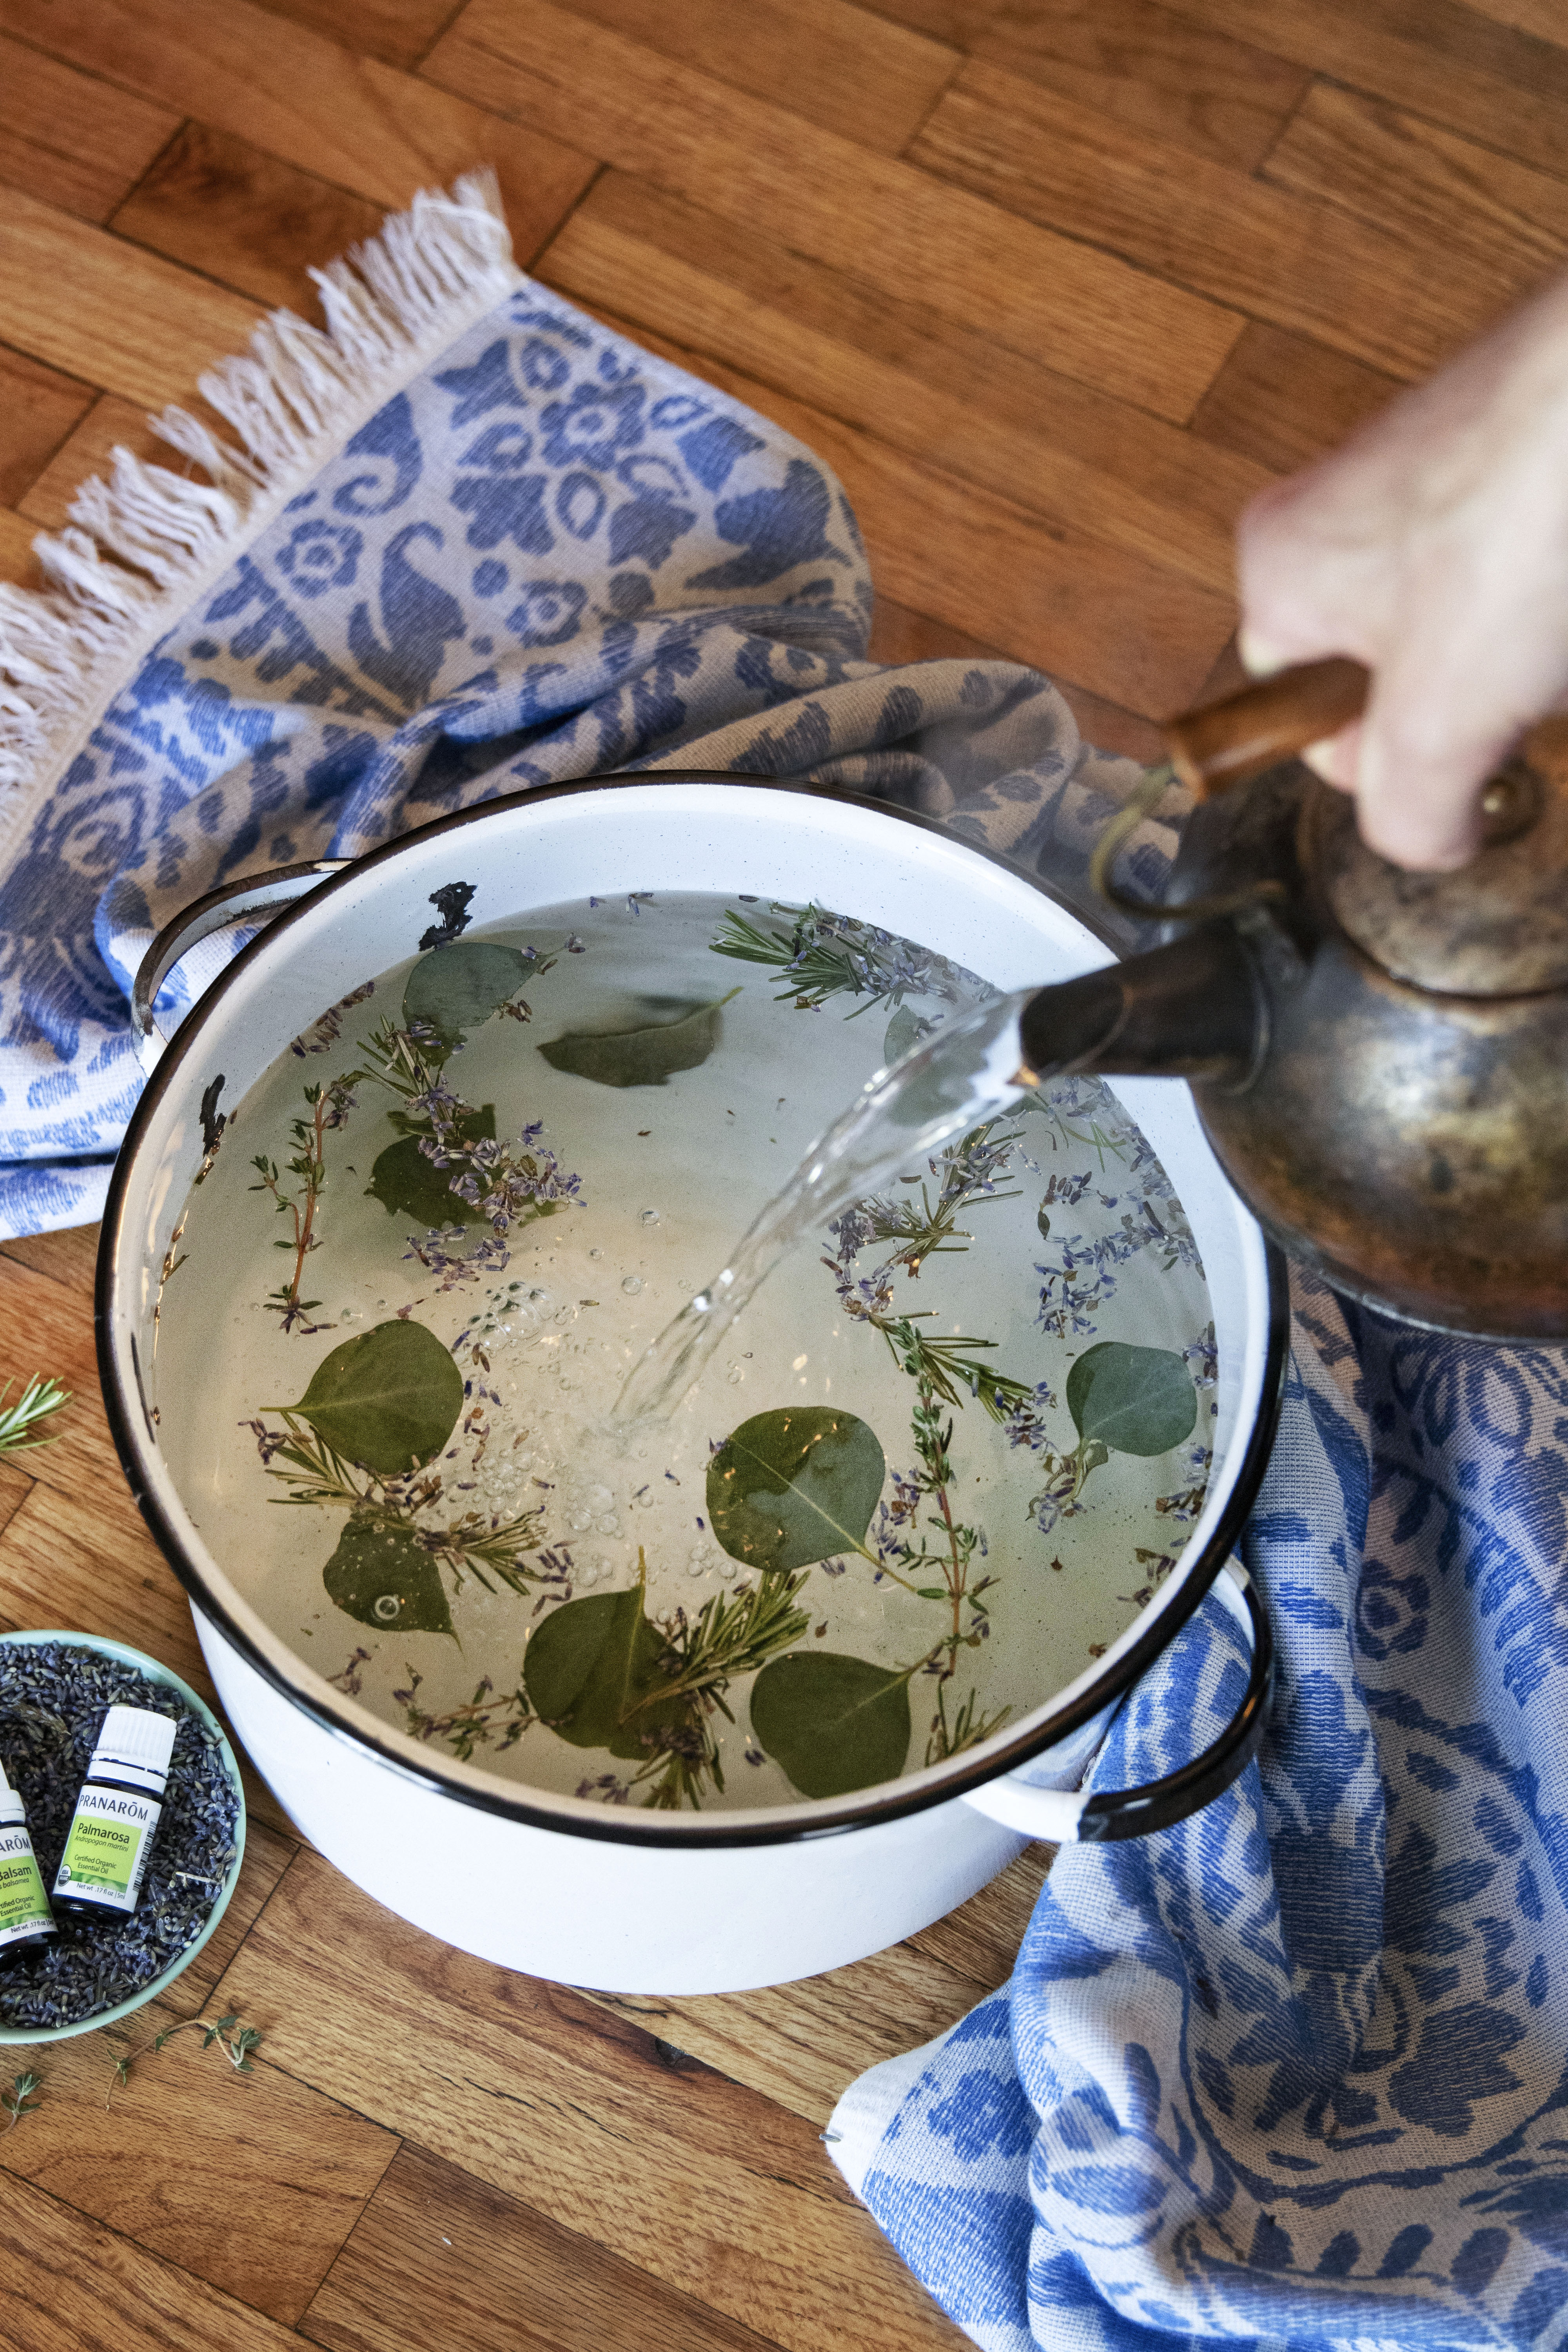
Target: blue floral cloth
point(1292, 2073)
point(549, 556)
point(1297, 2072)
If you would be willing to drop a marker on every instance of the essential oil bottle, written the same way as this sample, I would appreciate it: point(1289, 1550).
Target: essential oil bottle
point(26, 1919)
point(116, 1814)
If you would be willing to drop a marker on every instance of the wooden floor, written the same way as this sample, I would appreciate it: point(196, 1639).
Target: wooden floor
point(1055, 285)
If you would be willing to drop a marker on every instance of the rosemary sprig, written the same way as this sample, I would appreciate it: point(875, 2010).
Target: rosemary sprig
point(20, 2100)
point(733, 1633)
point(319, 1477)
point(824, 954)
point(19, 1422)
point(950, 1373)
point(328, 1107)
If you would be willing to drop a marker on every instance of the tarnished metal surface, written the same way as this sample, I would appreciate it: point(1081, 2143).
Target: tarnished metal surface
point(1410, 1141)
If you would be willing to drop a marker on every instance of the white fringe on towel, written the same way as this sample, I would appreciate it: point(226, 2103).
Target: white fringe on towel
point(142, 547)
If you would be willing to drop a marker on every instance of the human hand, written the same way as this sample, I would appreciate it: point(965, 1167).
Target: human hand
point(1434, 548)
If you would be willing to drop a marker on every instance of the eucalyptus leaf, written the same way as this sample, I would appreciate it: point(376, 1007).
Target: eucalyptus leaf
point(386, 1579)
point(904, 1030)
point(832, 1723)
point(387, 1399)
point(592, 1673)
point(648, 1056)
point(795, 1486)
point(408, 1184)
point(456, 989)
point(1132, 1400)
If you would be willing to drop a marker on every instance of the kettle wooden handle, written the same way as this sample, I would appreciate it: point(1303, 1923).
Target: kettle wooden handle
point(1231, 741)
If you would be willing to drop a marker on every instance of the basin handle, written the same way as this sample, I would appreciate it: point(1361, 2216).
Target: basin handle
point(254, 893)
point(1065, 1816)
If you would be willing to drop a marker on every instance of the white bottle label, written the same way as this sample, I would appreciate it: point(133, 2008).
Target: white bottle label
point(24, 1909)
point(106, 1851)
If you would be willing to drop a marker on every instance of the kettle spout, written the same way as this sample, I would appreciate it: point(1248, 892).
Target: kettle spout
point(1194, 1009)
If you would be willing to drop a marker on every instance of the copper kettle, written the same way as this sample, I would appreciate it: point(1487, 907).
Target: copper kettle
point(1378, 1058)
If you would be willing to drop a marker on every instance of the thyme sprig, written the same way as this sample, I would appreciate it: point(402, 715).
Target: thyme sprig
point(328, 1107)
point(20, 2100)
point(969, 1727)
point(235, 2040)
point(19, 1422)
point(473, 1723)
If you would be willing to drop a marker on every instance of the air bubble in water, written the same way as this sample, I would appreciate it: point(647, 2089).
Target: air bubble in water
point(649, 1217)
point(632, 1285)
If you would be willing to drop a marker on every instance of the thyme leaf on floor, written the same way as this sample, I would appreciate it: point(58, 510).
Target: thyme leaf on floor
point(20, 2100)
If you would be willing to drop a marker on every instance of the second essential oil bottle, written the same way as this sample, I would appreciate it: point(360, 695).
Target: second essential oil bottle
point(116, 1814)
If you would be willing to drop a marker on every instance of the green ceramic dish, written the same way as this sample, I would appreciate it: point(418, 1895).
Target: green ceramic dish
point(156, 1673)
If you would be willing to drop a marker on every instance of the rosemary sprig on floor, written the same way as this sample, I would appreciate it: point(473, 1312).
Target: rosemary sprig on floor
point(20, 1423)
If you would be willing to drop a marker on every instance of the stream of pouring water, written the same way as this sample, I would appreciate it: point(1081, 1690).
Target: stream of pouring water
point(968, 1071)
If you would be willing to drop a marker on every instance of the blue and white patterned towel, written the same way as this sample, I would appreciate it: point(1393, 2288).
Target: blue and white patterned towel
point(1291, 2073)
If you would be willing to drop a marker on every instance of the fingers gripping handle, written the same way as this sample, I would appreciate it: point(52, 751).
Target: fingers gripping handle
point(1065, 1816)
point(257, 894)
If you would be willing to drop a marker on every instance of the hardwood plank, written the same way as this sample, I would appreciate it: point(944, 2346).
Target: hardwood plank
point(69, 1256)
point(220, 205)
point(1042, 592)
point(1439, 58)
point(17, 563)
point(398, 32)
point(1544, 18)
point(15, 1488)
point(801, 2045)
point(1149, 70)
point(1079, 311)
point(89, 449)
point(40, 408)
point(543, 2096)
point(1398, 304)
point(959, 23)
point(86, 1564)
point(840, 67)
point(79, 298)
point(1282, 399)
point(69, 138)
point(439, 2258)
point(250, 2183)
point(940, 389)
point(1428, 185)
point(377, 133)
point(899, 636)
point(67, 2285)
point(267, 1857)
